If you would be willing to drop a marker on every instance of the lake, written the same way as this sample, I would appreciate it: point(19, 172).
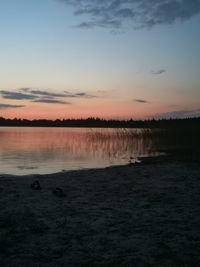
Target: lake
point(48, 150)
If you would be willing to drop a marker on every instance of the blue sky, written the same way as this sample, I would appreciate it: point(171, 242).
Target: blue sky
point(102, 55)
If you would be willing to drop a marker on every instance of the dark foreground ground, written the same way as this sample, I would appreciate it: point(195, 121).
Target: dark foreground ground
point(141, 215)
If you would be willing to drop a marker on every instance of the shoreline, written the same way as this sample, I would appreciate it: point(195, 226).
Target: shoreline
point(145, 214)
point(142, 161)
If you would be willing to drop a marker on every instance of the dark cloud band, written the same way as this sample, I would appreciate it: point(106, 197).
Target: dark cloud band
point(185, 113)
point(51, 101)
point(143, 101)
point(157, 72)
point(16, 95)
point(6, 106)
point(136, 13)
point(41, 96)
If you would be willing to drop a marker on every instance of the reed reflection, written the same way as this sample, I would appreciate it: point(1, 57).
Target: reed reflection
point(47, 150)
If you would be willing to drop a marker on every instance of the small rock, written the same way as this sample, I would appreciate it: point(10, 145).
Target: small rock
point(36, 185)
point(58, 192)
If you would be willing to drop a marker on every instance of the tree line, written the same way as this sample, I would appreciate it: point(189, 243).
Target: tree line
point(101, 123)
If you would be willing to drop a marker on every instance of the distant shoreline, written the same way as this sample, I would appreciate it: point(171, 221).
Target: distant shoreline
point(100, 123)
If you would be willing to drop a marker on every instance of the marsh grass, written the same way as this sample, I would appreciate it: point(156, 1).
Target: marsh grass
point(181, 142)
point(121, 142)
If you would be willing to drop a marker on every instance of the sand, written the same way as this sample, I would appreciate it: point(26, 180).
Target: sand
point(137, 215)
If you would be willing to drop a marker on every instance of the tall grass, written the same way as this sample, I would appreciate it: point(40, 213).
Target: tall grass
point(182, 142)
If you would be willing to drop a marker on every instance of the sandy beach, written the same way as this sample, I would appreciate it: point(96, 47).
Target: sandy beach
point(136, 215)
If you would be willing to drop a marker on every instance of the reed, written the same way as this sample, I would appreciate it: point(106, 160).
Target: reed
point(181, 142)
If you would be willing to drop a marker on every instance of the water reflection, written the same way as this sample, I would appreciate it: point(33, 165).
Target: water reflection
point(48, 150)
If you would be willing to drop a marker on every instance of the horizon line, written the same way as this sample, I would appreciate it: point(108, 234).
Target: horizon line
point(101, 119)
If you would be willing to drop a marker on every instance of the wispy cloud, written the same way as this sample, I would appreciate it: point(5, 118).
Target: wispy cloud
point(158, 72)
point(49, 94)
point(43, 93)
point(184, 113)
point(43, 96)
point(16, 95)
point(100, 23)
point(7, 106)
point(51, 101)
point(136, 13)
point(142, 101)
point(80, 95)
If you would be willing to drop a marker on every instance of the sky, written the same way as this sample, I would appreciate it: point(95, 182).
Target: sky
point(116, 59)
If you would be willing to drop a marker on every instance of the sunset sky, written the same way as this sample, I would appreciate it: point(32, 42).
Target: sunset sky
point(105, 58)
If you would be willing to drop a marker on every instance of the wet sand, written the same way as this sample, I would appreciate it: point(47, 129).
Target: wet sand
point(137, 215)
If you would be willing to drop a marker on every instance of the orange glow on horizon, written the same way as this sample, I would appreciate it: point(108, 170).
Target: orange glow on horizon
point(53, 114)
point(84, 108)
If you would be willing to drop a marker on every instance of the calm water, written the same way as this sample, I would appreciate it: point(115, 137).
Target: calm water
point(49, 150)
